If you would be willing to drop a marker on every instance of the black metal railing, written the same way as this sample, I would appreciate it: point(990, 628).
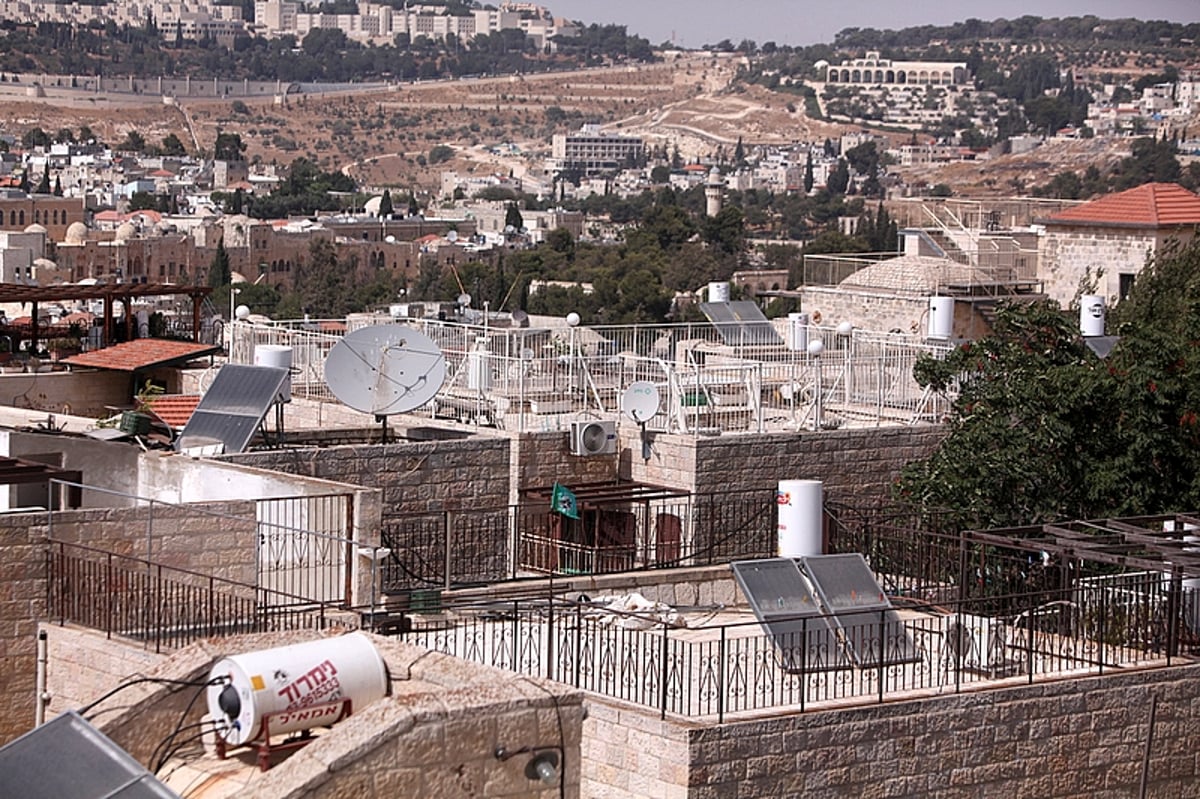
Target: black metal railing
point(164, 607)
point(809, 662)
point(495, 544)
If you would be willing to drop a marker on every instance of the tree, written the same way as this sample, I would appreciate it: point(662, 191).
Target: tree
point(808, 173)
point(36, 137)
point(839, 178)
point(1042, 429)
point(219, 273)
point(229, 147)
point(739, 153)
point(58, 190)
point(134, 143)
point(513, 218)
point(385, 205)
point(171, 145)
point(43, 186)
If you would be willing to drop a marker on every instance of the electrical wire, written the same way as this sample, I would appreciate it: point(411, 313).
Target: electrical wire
point(182, 718)
point(562, 738)
point(138, 681)
point(165, 754)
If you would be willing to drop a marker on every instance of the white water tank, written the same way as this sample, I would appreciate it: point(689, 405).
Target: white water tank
point(479, 369)
point(299, 686)
point(718, 291)
point(797, 332)
point(1091, 315)
point(941, 318)
point(280, 356)
point(801, 512)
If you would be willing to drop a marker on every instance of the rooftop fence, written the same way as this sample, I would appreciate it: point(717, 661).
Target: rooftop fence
point(531, 379)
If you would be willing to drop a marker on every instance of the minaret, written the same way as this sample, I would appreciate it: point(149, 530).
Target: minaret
point(713, 188)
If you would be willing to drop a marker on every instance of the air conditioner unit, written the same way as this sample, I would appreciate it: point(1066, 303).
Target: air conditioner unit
point(593, 437)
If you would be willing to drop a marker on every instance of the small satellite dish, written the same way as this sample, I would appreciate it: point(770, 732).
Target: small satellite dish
point(390, 239)
point(526, 354)
point(385, 369)
point(520, 318)
point(640, 401)
point(464, 300)
point(452, 236)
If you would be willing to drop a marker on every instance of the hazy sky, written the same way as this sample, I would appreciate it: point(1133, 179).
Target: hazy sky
point(692, 23)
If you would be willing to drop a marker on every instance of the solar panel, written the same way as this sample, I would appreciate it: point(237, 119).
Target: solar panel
point(740, 323)
point(779, 596)
point(232, 408)
point(68, 758)
point(871, 631)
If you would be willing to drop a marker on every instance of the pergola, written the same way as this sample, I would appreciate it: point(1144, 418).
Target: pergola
point(109, 293)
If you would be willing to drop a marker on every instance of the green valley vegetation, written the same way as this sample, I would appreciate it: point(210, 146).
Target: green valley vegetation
point(1042, 429)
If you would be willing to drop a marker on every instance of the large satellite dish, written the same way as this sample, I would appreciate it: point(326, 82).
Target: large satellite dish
point(385, 369)
point(640, 401)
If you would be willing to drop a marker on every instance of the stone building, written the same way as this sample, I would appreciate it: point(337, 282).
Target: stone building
point(874, 70)
point(1101, 246)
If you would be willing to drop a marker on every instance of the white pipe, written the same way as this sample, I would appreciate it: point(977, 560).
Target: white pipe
point(40, 700)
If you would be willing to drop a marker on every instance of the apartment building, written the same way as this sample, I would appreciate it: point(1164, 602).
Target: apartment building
point(593, 151)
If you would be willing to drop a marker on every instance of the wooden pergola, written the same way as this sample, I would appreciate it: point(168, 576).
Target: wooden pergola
point(109, 293)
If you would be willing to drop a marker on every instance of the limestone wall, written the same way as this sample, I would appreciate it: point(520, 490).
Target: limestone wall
point(22, 602)
point(1075, 739)
point(857, 465)
point(1070, 252)
point(86, 393)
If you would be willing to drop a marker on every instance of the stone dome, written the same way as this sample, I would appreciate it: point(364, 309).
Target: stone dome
point(125, 232)
point(35, 228)
point(76, 233)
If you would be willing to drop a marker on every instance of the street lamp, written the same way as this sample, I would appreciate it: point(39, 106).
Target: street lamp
point(233, 292)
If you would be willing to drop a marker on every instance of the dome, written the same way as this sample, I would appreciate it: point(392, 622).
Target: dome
point(125, 232)
point(919, 274)
point(371, 206)
point(76, 233)
point(35, 228)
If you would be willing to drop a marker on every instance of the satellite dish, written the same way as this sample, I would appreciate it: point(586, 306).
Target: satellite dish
point(464, 300)
point(385, 369)
point(452, 236)
point(520, 318)
point(390, 239)
point(526, 354)
point(640, 401)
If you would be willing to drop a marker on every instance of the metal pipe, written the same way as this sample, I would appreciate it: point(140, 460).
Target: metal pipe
point(41, 698)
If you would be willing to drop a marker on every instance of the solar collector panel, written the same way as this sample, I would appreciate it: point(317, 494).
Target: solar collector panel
point(233, 407)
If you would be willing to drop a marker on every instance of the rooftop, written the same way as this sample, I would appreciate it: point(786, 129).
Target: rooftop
point(1151, 205)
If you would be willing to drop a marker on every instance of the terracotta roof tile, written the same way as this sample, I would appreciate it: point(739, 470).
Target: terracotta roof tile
point(173, 409)
point(1151, 205)
point(142, 353)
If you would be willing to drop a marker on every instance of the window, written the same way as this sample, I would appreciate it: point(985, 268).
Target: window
point(1124, 285)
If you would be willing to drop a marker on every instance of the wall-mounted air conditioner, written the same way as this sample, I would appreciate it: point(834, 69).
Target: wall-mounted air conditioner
point(593, 437)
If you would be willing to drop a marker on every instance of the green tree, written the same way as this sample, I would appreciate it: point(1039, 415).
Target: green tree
point(229, 147)
point(143, 201)
point(385, 205)
point(43, 186)
point(171, 145)
point(219, 273)
point(134, 143)
point(839, 178)
point(808, 174)
point(1042, 429)
point(513, 218)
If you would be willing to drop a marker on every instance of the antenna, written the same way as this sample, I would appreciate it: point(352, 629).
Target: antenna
point(640, 404)
point(384, 370)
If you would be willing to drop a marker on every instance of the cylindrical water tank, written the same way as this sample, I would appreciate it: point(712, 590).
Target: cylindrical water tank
point(718, 291)
point(941, 318)
point(299, 686)
point(1091, 315)
point(801, 509)
point(276, 355)
point(797, 332)
point(479, 370)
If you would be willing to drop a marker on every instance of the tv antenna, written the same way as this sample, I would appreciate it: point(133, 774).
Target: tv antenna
point(385, 370)
point(640, 404)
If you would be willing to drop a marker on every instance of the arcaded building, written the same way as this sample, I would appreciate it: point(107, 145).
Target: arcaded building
point(874, 70)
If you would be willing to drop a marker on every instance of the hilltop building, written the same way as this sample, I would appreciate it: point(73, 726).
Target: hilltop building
point(876, 70)
point(591, 151)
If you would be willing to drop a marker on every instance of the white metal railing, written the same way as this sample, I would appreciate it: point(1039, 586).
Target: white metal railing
point(531, 379)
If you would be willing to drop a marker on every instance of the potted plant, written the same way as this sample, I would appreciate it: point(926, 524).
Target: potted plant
point(64, 347)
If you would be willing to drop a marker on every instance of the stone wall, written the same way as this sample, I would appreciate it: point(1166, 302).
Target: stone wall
point(541, 459)
point(22, 603)
point(856, 465)
point(1071, 739)
point(415, 476)
point(84, 664)
point(1071, 252)
point(80, 393)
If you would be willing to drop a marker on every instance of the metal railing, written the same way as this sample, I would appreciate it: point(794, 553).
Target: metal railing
point(163, 607)
point(305, 544)
point(444, 550)
point(529, 379)
point(804, 663)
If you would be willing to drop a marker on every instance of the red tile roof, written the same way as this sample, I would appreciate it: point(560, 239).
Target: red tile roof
point(142, 353)
point(1151, 205)
point(173, 409)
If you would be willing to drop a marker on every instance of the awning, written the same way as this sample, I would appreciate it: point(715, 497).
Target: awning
point(143, 353)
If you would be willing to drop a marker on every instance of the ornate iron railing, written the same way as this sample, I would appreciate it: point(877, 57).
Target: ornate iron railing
point(722, 670)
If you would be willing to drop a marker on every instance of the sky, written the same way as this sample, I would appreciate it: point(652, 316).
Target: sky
point(693, 23)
